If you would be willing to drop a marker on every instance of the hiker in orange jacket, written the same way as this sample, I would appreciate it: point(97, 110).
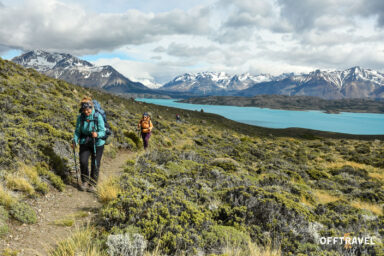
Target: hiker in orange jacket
point(145, 126)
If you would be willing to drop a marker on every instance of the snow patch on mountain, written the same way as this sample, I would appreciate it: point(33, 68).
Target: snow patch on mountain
point(74, 70)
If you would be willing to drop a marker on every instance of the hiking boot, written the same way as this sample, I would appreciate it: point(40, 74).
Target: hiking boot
point(84, 186)
point(92, 189)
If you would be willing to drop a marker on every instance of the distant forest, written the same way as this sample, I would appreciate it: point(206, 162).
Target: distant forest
point(294, 103)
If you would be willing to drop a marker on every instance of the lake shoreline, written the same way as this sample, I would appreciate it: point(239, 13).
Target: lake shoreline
point(294, 103)
point(346, 123)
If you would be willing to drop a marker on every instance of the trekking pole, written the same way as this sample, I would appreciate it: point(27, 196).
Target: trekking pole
point(94, 148)
point(74, 158)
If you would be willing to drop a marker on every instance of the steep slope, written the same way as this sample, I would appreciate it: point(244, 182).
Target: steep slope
point(74, 70)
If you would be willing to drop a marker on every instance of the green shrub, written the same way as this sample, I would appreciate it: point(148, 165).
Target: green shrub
point(228, 164)
point(133, 136)
point(3, 213)
point(3, 228)
point(23, 212)
point(56, 181)
point(317, 174)
point(224, 236)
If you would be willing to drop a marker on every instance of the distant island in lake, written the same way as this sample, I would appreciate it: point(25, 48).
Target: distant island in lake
point(294, 103)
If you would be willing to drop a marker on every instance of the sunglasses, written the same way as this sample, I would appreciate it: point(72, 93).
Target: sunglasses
point(86, 105)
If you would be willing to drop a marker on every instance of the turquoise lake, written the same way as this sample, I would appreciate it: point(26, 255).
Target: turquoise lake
point(345, 122)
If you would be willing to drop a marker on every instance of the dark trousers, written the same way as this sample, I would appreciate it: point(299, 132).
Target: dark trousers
point(85, 152)
point(145, 137)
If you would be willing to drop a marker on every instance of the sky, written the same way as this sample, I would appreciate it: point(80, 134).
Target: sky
point(153, 41)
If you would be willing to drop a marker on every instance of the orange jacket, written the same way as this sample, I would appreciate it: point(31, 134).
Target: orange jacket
point(145, 125)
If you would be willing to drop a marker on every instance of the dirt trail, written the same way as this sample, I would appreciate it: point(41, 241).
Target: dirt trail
point(36, 239)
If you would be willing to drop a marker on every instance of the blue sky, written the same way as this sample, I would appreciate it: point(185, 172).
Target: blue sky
point(152, 41)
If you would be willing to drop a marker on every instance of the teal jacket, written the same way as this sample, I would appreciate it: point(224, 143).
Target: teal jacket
point(84, 129)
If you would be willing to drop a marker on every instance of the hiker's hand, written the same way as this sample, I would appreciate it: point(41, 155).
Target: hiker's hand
point(73, 145)
point(94, 134)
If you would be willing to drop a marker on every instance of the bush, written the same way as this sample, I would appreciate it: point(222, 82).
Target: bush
point(228, 164)
point(125, 244)
point(23, 212)
point(317, 174)
point(133, 136)
point(57, 182)
point(220, 237)
point(3, 228)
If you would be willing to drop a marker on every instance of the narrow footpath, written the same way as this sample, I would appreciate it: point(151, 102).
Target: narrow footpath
point(59, 214)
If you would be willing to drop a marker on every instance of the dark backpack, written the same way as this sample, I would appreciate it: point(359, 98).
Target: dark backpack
point(100, 111)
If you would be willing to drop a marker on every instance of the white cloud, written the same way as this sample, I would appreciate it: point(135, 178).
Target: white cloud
point(164, 39)
point(53, 25)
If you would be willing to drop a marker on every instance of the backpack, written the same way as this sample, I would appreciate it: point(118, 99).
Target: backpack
point(100, 111)
point(145, 125)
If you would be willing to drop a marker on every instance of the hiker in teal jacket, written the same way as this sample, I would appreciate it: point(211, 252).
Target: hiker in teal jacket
point(89, 130)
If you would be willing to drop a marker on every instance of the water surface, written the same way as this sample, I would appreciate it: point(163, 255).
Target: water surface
point(345, 122)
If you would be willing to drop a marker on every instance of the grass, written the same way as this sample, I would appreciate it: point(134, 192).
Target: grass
point(69, 220)
point(6, 199)
point(16, 182)
point(323, 197)
point(108, 190)
point(33, 177)
point(66, 222)
point(341, 162)
point(81, 242)
point(263, 251)
point(9, 252)
point(374, 208)
point(251, 250)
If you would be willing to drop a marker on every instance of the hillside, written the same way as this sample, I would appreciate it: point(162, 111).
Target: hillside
point(206, 186)
point(294, 103)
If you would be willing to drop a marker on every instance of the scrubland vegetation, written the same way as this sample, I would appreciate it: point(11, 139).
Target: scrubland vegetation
point(206, 186)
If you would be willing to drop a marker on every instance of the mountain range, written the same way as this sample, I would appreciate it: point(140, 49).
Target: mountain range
point(74, 70)
point(355, 82)
point(216, 82)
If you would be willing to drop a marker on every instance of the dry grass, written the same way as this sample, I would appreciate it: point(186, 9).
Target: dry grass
point(70, 219)
point(306, 202)
point(108, 190)
point(5, 198)
point(377, 175)
point(255, 250)
point(29, 171)
point(81, 242)
point(65, 222)
point(323, 197)
point(341, 162)
point(252, 250)
point(374, 208)
point(373, 172)
point(16, 182)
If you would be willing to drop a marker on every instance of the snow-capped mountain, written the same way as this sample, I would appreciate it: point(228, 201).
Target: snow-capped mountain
point(214, 82)
point(355, 82)
point(74, 70)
